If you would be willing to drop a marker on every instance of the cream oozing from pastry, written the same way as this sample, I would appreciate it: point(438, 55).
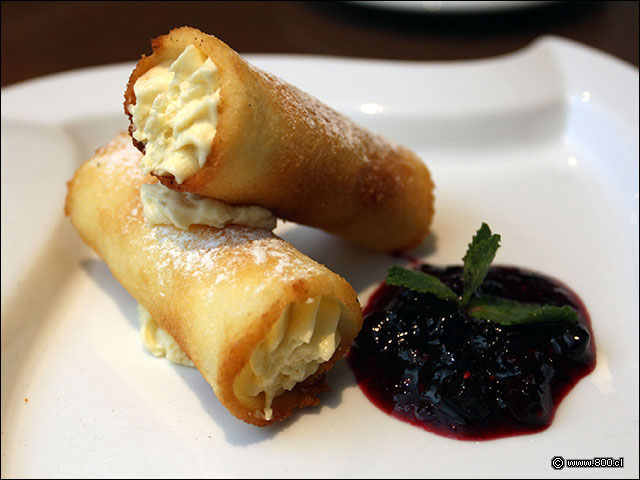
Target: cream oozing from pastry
point(176, 114)
point(164, 206)
point(305, 336)
point(158, 342)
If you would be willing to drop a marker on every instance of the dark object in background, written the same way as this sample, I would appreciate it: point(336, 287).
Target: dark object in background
point(46, 37)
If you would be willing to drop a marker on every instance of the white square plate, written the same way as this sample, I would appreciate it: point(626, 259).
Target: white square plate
point(541, 144)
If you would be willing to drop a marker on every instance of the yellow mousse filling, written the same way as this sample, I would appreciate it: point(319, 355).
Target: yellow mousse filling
point(167, 207)
point(305, 336)
point(158, 342)
point(176, 114)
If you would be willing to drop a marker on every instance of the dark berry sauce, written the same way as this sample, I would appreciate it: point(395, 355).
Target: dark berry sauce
point(425, 361)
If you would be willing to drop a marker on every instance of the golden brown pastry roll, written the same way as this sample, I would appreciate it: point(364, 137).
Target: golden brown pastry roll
point(261, 321)
point(210, 123)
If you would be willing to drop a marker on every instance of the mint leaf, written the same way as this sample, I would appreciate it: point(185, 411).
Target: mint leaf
point(509, 312)
point(481, 252)
point(419, 282)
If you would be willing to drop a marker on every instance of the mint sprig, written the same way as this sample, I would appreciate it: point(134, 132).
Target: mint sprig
point(419, 282)
point(509, 312)
point(481, 252)
point(477, 261)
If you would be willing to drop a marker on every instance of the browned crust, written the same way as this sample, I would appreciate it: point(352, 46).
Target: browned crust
point(282, 149)
point(99, 203)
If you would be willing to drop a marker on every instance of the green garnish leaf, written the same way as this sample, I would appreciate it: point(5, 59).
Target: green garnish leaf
point(419, 282)
point(509, 312)
point(481, 252)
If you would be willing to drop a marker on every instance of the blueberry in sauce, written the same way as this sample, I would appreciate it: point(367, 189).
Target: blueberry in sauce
point(428, 362)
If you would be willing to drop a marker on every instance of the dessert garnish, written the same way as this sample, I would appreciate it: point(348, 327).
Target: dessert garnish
point(473, 351)
point(480, 254)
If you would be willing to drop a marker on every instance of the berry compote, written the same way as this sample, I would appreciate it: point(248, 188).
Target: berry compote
point(427, 362)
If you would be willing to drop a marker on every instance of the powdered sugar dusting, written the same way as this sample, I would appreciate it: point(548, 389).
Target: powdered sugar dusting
point(119, 157)
point(216, 254)
point(211, 254)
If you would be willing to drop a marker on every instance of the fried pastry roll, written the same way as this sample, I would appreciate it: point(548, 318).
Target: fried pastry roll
point(210, 123)
point(261, 321)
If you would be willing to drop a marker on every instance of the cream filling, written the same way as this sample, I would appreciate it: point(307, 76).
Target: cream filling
point(167, 207)
point(158, 342)
point(305, 336)
point(176, 114)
